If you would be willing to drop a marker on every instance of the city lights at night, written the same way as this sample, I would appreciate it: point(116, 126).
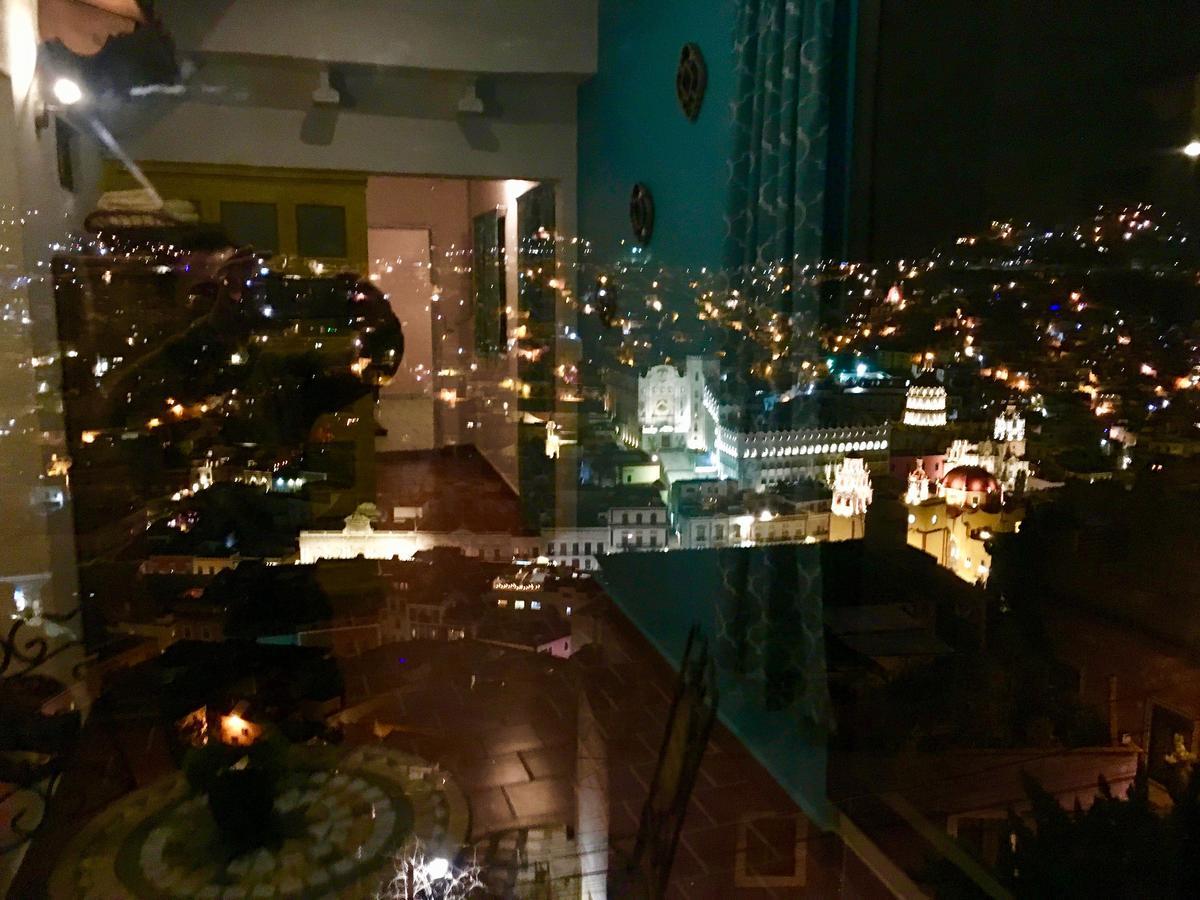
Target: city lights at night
point(599, 450)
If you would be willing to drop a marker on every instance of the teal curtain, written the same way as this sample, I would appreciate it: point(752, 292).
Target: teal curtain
point(782, 57)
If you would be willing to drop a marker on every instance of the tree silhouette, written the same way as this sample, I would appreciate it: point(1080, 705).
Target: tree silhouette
point(1118, 847)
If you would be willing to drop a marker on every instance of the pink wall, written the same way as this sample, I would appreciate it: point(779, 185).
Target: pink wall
point(439, 205)
point(399, 266)
point(934, 465)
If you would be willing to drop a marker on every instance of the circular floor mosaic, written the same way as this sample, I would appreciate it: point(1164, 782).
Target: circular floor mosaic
point(346, 816)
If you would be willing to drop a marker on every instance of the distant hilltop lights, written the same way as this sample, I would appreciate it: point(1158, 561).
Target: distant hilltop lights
point(1112, 236)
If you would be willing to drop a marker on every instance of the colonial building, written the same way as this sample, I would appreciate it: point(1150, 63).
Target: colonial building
point(360, 538)
point(1002, 456)
point(623, 528)
point(953, 519)
point(666, 409)
point(1009, 428)
point(714, 513)
point(578, 547)
point(852, 495)
point(998, 458)
point(925, 403)
point(671, 404)
point(638, 528)
point(761, 459)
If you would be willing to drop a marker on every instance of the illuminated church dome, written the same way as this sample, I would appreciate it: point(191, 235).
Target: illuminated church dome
point(925, 403)
point(972, 486)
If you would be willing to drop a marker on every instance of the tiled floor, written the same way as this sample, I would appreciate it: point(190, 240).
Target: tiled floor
point(512, 743)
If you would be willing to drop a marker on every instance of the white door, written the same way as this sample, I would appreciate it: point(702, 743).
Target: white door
point(400, 260)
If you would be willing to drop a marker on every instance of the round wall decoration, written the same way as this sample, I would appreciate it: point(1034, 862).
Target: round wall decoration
point(691, 78)
point(641, 213)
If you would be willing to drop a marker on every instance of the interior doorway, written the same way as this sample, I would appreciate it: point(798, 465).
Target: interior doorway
point(400, 268)
point(458, 381)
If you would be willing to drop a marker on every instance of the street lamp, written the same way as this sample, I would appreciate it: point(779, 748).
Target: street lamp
point(1192, 149)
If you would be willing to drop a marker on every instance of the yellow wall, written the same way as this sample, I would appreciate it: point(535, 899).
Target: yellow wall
point(207, 185)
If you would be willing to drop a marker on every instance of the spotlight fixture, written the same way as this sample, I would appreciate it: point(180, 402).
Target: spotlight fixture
point(66, 91)
point(470, 103)
point(326, 94)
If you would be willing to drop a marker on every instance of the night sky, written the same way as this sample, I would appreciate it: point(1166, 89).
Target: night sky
point(1030, 111)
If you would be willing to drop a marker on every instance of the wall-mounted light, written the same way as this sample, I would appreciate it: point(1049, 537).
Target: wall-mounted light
point(1192, 149)
point(470, 103)
point(326, 94)
point(66, 92)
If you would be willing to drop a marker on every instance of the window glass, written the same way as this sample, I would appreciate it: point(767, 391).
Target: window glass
point(320, 230)
point(329, 337)
point(256, 224)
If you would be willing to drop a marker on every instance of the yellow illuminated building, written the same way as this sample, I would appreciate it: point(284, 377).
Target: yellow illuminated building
point(952, 520)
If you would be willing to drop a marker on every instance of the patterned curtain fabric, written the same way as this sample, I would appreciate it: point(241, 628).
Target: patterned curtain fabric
point(781, 113)
point(770, 630)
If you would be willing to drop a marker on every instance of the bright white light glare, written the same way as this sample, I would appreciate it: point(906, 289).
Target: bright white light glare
point(421, 877)
point(1192, 149)
point(68, 93)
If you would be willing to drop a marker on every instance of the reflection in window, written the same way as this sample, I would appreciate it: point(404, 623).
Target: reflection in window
point(320, 230)
point(255, 224)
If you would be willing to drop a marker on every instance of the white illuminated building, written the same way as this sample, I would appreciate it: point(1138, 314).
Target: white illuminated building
point(573, 547)
point(760, 459)
point(1009, 428)
point(671, 405)
point(360, 538)
point(671, 409)
point(1002, 457)
point(852, 492)
point(918, 486)
point(712, 513)
point(925, 403)
point(852, 495)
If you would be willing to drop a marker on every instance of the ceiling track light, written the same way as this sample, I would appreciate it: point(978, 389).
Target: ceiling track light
point(326, 94)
